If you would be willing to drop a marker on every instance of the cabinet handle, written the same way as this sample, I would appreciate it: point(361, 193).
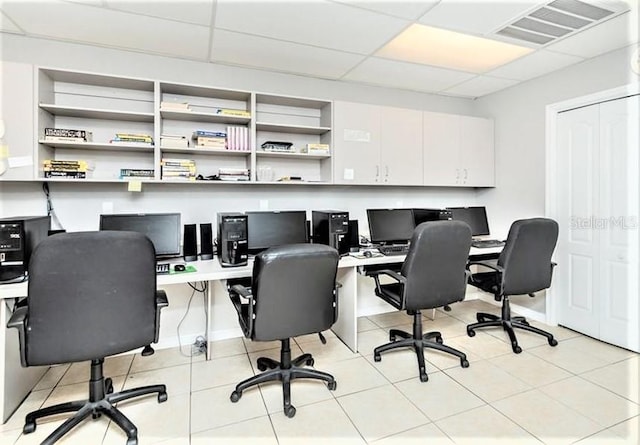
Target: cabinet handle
point(377, 172)
point(457, 175)
point(465, 175)
point(386, 173)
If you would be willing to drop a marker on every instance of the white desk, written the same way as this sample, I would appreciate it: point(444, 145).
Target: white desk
point(17, 382)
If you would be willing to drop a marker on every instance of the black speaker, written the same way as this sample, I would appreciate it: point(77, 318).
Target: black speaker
point(206, 242)
point(190, 243)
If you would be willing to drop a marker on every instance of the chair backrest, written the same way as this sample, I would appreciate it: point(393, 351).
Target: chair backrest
point(91, 295)
point(435, 265)
point(526, 257)
point(294, 291)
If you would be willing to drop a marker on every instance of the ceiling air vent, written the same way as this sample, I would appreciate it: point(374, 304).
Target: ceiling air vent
point(556, 20)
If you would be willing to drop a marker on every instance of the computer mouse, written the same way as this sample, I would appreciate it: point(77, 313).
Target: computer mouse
point(367, 254)
point(179, 268)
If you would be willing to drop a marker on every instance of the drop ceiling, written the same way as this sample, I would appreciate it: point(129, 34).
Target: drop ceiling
point(419, 45)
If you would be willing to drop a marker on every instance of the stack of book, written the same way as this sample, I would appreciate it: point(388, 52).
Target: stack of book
point(173, 141)
point(233, 174)
point(174, 106)
point(64, 135)
point(232, 112)
point(238, 138)
point(132, 139)
point(210, 139)
point(136, 173)
point(77, 169)
point(316, 149)
point(178, 169)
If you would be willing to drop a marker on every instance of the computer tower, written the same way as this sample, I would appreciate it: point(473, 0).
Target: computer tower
point(330, 227)
point(351, 241)
point(233, 247)
point(19, 236)
point(423, 215)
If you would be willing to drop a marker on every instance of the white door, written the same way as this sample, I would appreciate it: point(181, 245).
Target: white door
point(576, 278)
point(619, 209)
point(401, 146)
point(441, 140)
point(597, 167)
point(476, 151)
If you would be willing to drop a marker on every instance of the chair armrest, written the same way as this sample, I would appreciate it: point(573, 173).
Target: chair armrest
point(493, 266)
point(18, 320)
point(161, 302)
point(393, 274)
point(241, 290)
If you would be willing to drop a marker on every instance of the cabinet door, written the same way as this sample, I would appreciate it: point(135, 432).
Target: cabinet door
point(441, 140)
point(401, 146)
point(356, 153)
point(16, 97)
point(476, 151)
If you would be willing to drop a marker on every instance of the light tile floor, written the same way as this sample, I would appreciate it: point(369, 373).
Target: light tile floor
point(583, 391)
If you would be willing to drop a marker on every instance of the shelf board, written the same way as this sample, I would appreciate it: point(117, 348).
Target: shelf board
point(195, 116)
point(98, 146)
point(277, 154)
point(205, 151)
point(97, 113)
point(297, 129)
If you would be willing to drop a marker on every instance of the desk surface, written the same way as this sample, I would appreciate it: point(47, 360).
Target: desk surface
point(211, 270)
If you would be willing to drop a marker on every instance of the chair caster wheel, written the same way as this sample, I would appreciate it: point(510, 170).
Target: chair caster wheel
point(162, 397)
point(471, 333)
point(480, 318)
point(108, 385)
point(517, 349)
point(332, 385)
point(553, 342)
point(439, 339)
point(424, 377)
point(376, 357)
point(392, 337)
point(29, 427)
point(290, 411)
point(235, 396)
point(132, 441)
point(262, 367)
point(464, 363)
point(95, 416)
point(310, 362)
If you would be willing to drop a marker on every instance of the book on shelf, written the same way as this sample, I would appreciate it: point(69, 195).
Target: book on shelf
point(65, 174)
point(178, 162)
point(136, 173)
point(130, 143)
point(83, 135)
point(66, 166)
point(232, 112)
point(208, 134)
point(174, 106)
point(64, 139)
point(123, 136)
point(316, 149)
point(237, 138)
point(169, 141)
point(214, 142)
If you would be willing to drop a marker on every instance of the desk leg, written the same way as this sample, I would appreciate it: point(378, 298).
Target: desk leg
point(210, 291)
point(346, 327)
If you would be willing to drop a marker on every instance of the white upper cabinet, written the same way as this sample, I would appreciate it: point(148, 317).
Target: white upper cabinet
point(458, 150)
point(16, 144)
point(377, 145)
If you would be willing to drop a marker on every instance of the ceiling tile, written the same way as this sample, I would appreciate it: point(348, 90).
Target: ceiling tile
point(246, 50)
point(406, 9)
point(317, 23)
point(88, 24)
point(7, 25)
point(534, 65)
point(479, 86)
point(613, 34)
point(191, 11)
point(477, 17)
point(405, 75)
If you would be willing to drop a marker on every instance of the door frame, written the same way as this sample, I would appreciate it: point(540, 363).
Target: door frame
point(551, 198)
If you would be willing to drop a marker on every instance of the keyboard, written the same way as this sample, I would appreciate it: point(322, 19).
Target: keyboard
point(486, 243)
point(162, 268)
point(394, 249)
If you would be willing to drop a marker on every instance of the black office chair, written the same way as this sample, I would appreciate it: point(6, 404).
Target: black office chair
point(91, 295)
point(523, 267)
point(432, 275)
point(294, 292)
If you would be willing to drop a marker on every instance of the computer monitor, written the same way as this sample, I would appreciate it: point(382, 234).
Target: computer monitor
point(270, 229)
point(163, 229)
point(476, 217)
point(389, 226)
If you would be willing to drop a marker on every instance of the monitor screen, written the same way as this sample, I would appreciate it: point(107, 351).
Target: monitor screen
point(476, 217)
point(270, 229)
point(163, 229)
point(390, 225)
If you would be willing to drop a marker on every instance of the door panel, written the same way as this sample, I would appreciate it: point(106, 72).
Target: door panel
point(401, 146)
point(441, 149)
